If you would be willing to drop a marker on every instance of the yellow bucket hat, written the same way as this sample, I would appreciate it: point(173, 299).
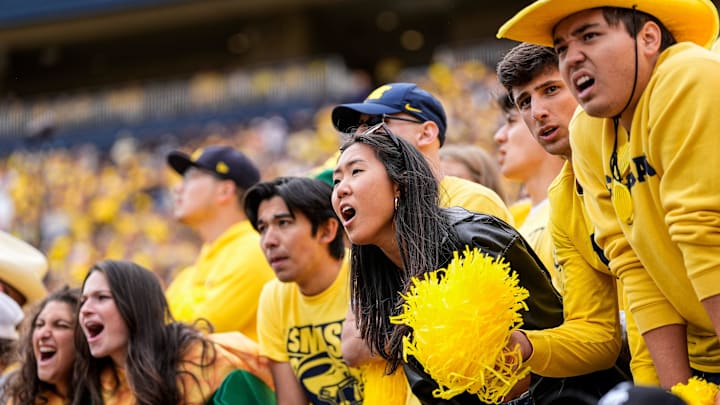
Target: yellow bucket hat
point(23, 267)
point(687, 20)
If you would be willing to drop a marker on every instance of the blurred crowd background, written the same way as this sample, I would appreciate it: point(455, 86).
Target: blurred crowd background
point(94, 94)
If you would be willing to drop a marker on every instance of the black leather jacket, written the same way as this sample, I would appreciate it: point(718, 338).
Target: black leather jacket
point(496, 238)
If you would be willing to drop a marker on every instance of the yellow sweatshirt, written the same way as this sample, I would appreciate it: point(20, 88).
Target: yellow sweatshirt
point(536, 231)
point(589, 338)
point(667, 253)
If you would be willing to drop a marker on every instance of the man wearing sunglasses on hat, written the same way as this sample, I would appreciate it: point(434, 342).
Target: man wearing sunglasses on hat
point(418, 117)
point(644, 151)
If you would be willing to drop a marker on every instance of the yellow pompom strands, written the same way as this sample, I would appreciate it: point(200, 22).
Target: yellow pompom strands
point(696, 392)
point(461, 324)
point(382, 389)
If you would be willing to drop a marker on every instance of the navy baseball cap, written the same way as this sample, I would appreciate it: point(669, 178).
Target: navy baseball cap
point(393, 98)
point(223, 161)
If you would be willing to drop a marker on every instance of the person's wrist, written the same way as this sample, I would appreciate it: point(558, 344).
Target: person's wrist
point(526, 347)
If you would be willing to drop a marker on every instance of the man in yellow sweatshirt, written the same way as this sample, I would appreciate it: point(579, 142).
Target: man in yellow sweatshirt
point(587, 341)
point(224, 284)
point(644, 151)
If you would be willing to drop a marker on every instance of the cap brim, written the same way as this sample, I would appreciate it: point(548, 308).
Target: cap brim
point(688, 20)
point(345, 116)
point(23, 267)
point(179, 161)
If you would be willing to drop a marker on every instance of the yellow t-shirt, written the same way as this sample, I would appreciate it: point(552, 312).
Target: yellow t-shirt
point(535, 231)
point(666, 254)
point(305, 331)
point(457, 192)
point(224, 284)
point(520, 210)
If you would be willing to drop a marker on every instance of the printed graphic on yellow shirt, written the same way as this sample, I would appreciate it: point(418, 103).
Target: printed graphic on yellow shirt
point(623, 181)
point(642, 170)
point(324, 379)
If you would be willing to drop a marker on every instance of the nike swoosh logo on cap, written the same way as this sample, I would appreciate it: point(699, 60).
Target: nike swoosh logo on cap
point(410, 108)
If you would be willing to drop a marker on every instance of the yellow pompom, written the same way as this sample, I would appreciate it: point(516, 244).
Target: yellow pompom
point(461, 323)
point(696, 392)
point(382, 389)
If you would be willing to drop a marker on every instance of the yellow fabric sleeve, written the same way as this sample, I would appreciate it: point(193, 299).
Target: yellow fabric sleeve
point(675, 198)
point(457, 192)
point(589, 338)
point(536, 231)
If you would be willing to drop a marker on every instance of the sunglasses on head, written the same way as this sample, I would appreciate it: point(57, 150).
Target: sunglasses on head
point(373, 120)
point(382, 129)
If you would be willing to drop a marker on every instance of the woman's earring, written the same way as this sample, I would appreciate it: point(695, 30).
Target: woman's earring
point(396, 203)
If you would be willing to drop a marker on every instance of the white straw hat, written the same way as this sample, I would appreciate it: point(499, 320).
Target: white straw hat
point(23, 267)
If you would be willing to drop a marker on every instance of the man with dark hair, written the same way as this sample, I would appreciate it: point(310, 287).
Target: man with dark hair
point(644, 150)
point(224, 284)
point(301, 313)
point(588, 340)
point(523, 160)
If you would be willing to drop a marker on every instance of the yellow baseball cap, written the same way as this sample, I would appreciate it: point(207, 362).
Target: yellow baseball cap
point(688, 20)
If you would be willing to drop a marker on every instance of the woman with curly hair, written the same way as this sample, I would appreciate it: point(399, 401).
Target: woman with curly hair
point(47, 353)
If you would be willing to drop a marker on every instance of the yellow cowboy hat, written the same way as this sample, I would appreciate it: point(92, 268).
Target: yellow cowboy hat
point(687, 20)
point(23, 267)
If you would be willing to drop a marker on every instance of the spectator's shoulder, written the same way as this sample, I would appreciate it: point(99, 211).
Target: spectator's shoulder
point(457, 192)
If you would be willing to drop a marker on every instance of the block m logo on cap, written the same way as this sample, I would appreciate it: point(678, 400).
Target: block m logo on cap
point(196, 155)
point(378, 93)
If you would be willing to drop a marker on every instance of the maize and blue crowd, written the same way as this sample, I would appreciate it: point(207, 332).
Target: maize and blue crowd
point(259, 264)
